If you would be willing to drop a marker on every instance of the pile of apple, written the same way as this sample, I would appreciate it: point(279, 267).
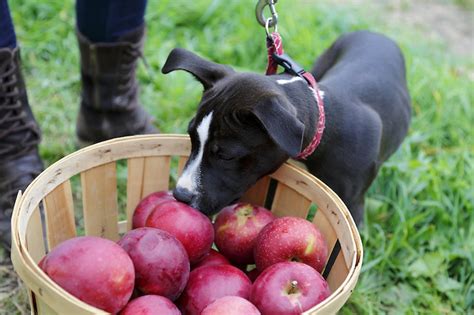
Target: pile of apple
point(165, 264)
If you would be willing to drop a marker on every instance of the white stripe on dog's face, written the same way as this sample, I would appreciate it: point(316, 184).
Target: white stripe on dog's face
point(192, 173)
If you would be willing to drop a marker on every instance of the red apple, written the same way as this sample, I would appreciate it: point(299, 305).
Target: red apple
point(230, 305)
point(93, 269)
point(290, 239)
point(192, 228)
point(288, 288)
point(147, 205)
point(161, 263)
point(150, 305)
point(207, 284)
point(236, 229)
point(211, 259)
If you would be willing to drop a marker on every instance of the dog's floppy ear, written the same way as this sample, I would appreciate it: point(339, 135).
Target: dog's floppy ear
point(205, 71)
point(278, 118)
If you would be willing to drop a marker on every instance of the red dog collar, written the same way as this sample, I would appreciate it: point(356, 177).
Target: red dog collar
point(276, 57)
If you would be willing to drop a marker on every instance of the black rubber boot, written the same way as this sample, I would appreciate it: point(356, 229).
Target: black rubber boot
point(109, 104)
point(19, 138)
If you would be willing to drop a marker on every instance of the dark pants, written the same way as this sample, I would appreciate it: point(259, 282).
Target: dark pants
point(97, 20)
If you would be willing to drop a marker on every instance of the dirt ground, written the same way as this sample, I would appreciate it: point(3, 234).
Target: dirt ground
point(445, 22)
point(440, 20)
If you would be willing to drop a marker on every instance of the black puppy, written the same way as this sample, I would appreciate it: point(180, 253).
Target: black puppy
point(248, 124)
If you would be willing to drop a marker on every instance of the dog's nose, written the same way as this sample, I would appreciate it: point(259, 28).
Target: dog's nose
point(183, 194)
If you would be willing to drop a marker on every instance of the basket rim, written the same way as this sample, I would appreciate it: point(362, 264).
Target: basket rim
point(23, 260)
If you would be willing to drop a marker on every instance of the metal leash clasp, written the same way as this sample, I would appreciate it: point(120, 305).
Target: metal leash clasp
point(267, 22)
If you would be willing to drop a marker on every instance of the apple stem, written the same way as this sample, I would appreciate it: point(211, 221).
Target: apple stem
point(247, 210)
point(294, 287)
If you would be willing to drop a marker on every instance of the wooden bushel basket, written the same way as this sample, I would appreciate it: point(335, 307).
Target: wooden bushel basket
point(45, 214)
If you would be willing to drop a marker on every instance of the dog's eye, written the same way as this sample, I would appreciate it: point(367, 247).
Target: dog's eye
point(225, 157)
point(216, 151)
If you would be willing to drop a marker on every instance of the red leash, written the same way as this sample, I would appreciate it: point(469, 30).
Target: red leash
point(274, 46)
point(276, 57)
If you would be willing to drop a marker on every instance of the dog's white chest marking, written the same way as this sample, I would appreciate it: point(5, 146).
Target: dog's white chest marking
point(192, 173)
point(297, 79)
point(294, 79)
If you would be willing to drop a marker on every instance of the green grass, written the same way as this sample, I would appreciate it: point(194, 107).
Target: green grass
point(468, 4)
point(418, 233)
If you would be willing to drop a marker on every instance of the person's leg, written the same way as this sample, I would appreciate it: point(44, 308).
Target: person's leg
point(7, 32)
point(110, 35)
point(19, 132)
point(107, 21)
